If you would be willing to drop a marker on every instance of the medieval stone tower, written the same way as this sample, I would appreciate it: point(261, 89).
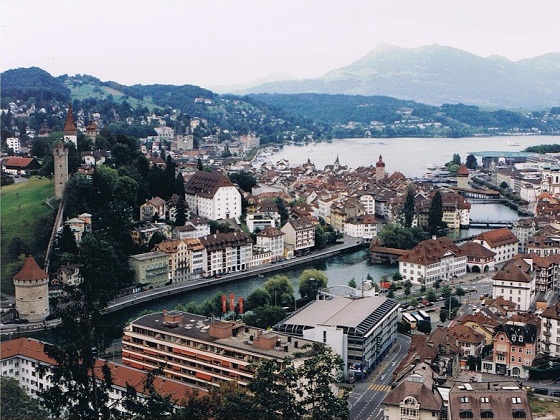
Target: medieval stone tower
point(70, 128)
point(60, 169)
point(32, 292)
point(462, 177)
point(379, 169)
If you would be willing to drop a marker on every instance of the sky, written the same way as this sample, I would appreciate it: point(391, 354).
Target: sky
point(211, 43)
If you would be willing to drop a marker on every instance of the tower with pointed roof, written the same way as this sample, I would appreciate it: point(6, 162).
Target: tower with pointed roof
point(463, 177)
point(32, 292)
point(379, 169)
point(70, 128)
point(60, 154)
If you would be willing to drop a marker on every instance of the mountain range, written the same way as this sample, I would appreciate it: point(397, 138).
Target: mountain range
point(437, 75)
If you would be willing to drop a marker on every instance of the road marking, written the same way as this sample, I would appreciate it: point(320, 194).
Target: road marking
point(379, 387)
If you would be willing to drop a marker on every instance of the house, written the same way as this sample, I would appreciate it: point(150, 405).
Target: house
point(550, 331)
point(271, 239)
point(300, 235)
point(16, 165)
point(515, 282)
point(431, 260)
point(226, 252)
point(415, 397)
point(360, 330)
point(364, 227)
point(177, 250)
point(14, 144)
point(69, 274)
point(515, 347)
point(22, 357)
point(488, 400)
point(151, 269)
point(479, 258)
point(153, 208)
point(501, 241)
point(79, 226)
point(213, 196)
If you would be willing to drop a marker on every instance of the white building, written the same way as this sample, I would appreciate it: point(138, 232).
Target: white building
point(364, 227)
point(226, 252)
point(300, 234)
point(550, 331)
point(213, 196)
point(431, 260)
point(14, 144)
point(271, 239)
point(514, 281)
point(361, 331)
point(501, 241)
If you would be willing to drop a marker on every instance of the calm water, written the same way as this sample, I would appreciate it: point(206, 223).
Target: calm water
point(407, 155)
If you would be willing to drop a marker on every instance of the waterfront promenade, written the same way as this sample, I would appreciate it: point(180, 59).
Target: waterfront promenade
point(162, 292)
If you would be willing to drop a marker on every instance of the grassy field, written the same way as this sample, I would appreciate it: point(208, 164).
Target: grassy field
point(87, 91)
point(22, 205)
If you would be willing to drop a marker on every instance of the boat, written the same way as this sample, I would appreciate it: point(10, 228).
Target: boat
point(510, 143)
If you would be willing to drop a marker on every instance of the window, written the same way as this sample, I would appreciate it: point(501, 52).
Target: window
point(528, 351)
point(515, 400)
point(486, 414)
point(513, 349)
point(464, 399)
point(485, 400)
point(518, 414)
point(466, 414)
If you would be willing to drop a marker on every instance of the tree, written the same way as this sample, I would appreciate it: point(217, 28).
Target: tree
point(446, 291)
point(407, 291)
point(318, 376)
point(352, 283)
point(390, 294)
point(459, 291)
point(179, 186)
point(435, 215)
point(397, 276)
point(284, 213)
point(310, 282)
point(431, 296)
point(456, 159)
point(393, 236)
point(16, 404)
point(408, 208)
point(471, 162)
point(244, 179)
point(504, 185)
point(265, 316)
point(154, 406)
point(275, 389)
point(443, 314)
point(280, 289)
point(258, 297)
point(199, 165)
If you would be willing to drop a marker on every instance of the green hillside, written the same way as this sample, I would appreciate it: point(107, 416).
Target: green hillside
point(26, 216)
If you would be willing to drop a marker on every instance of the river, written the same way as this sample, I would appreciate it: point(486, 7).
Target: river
point(407, 155)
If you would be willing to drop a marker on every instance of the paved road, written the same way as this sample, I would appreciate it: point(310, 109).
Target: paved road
point(367, 395)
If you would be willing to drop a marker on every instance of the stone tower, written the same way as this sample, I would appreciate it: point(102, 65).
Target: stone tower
point(462, 177)
point(32, 292)
point(60, 169)
point(70, 128)
point(379, 169)
point(91, 131)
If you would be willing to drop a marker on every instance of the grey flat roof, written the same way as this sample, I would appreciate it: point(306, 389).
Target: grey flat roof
point(363, 313)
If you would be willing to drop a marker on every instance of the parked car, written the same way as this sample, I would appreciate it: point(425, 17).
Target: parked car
point(555, 393)
point(543, 391)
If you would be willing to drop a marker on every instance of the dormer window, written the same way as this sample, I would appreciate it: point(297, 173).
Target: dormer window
point(513, 337)
point(520, 339)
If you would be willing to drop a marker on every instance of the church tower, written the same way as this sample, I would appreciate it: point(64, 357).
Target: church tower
point(70, 128)
point(379, 169)
point(60, 169)
point(32, 292)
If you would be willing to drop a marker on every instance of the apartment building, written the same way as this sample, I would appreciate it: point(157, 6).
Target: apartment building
point(151, 269)
point(213, 196)
point(226, 252)
point(299, 234)
point(515, 282)
point(501, 241)
point(550, 331)
point(203, 352)
point(515, 347)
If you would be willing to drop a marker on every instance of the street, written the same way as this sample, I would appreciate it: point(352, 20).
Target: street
point(368, 394)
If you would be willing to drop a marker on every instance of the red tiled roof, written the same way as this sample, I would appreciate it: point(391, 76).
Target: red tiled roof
point(18, 162)
point(30, 271)
point(432, 250)
point(498, 237)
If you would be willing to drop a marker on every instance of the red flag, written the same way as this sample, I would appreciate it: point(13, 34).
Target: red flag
point(232, 302)
point(224, 308)
point(240, 304)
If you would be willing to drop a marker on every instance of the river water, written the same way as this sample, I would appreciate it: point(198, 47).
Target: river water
point(407, 155)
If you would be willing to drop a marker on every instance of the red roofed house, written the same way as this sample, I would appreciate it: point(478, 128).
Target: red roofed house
point(20, 165)
point(431, 260)
point(21, 358)
point(501, 241)
point(32, 292)
point(479, 258)
point(515, 283)
point(213, 195)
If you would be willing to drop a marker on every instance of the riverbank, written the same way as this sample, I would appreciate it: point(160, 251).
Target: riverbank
point(124, 302)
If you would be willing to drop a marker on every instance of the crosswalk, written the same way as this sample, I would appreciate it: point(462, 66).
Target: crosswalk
point(379, 387)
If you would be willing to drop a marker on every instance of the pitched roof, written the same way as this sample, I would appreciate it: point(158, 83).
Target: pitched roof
point(206, 184)
point(419, 386)
point(19, 162)
point(431, 251)
point(498, 237)
point(474, 249)
point(515, 270)
point(30, 271)
point(70, 125)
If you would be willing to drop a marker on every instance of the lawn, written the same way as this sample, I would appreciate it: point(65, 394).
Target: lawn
point(22, 206)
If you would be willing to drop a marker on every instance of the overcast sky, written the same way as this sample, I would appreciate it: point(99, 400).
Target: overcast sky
point(219, 42)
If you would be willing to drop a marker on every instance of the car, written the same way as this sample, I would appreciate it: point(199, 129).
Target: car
point(543, 391)
point(555, 393)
